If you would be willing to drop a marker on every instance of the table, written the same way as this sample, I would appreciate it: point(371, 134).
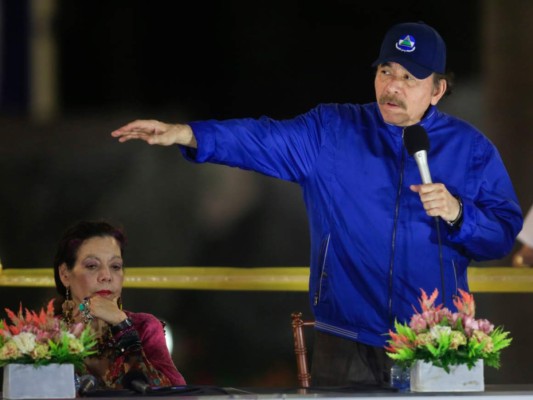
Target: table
point(492, 392)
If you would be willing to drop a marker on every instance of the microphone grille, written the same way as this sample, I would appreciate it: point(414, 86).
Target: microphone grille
point(87, 384)
point(415, 139)
point(131, 376)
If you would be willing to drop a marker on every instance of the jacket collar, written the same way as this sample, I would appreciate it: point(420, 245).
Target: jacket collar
point(427, 121)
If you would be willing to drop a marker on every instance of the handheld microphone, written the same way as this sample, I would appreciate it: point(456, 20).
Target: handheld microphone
point(416, 141)
point(135, 380)
point(87, 384)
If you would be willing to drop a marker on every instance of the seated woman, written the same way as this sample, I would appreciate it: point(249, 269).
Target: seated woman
point(89, 273)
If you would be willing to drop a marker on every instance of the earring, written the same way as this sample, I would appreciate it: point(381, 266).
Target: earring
point(119, 303)
point(68, 307)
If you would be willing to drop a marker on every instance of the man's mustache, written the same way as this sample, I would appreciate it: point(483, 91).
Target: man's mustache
point(391, 99)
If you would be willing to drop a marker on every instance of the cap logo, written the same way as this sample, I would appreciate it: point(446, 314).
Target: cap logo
point(407, 44)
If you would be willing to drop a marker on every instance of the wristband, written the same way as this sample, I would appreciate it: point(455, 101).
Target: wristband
point(459, 218)
point(127, 323)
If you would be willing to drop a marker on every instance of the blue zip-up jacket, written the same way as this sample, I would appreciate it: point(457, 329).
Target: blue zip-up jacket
point(373, 247)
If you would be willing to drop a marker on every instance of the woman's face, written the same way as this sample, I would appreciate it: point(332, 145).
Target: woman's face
point(97, 271)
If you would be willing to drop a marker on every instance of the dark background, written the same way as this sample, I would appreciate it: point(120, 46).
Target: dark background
point(179, 61)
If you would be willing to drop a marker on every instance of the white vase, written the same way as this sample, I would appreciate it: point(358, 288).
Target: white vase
point(25, 381)
point(425, 377)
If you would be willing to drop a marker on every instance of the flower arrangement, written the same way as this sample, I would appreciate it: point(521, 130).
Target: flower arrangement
point(442, 338)
point(42, 339)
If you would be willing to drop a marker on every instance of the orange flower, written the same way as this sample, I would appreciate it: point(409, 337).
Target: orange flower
point(465, 304)
point(428, 303)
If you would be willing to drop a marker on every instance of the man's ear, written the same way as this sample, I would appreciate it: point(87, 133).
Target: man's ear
point(438, 91)
point(64, 274)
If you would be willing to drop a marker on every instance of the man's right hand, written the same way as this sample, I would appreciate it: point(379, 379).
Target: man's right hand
point(156, 132)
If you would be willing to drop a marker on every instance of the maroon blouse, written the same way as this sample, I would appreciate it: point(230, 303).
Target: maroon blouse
point(152, 335)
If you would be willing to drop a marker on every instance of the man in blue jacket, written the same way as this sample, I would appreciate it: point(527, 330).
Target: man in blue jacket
point(378, 236)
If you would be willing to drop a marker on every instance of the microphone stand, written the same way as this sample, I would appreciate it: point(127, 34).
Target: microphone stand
point(441, 262)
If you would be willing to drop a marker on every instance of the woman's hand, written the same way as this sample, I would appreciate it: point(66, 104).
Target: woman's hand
point(106, 309)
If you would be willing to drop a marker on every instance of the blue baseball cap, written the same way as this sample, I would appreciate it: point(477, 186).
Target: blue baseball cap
point(415, 46)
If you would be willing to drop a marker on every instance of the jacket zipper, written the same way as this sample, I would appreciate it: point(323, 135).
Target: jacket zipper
point(318, 292)
point(395, 226)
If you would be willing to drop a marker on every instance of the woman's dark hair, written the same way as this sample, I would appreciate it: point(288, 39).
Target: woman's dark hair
point(68, 246)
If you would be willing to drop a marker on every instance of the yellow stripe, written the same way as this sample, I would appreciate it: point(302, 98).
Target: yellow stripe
point(487, 279)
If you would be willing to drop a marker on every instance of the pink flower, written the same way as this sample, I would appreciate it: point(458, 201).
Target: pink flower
point(77, 329)
point(418, 323)
point(455, 317)
point(470, 324)
point(445, 313)
point(431, 317)
point(485, 326)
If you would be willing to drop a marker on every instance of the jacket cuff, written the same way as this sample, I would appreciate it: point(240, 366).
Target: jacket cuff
point(205, 138)
point(468, 223)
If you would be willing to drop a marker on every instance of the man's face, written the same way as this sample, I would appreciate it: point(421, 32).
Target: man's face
point(402, 98)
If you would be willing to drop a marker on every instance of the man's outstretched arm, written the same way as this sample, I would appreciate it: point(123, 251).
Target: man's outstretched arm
point(156, 132)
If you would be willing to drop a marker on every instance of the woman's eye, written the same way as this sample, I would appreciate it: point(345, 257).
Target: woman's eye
point(91, 266)
point(117, 267)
